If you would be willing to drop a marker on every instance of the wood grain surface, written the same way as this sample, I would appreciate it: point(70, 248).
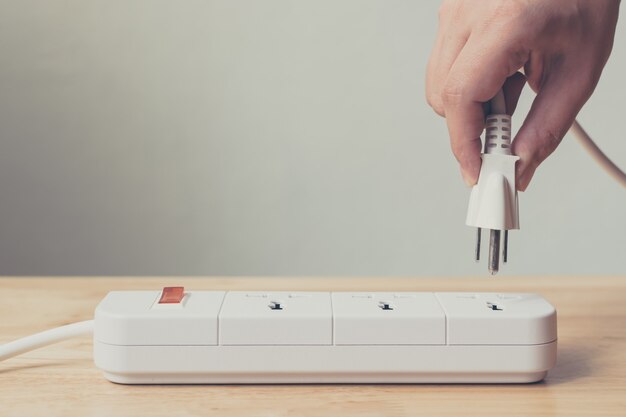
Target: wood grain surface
point(61, 380)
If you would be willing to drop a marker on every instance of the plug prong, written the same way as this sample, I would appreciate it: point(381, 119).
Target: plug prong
point(505, 246)
point(478, 244)
point(494, 251)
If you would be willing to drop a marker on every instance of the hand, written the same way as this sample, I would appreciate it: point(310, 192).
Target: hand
point(562, 45)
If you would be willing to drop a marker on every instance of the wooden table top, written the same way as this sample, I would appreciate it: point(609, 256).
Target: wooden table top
point(589, 380)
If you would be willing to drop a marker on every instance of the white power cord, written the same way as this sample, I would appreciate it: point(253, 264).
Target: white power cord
point(47, 337)
point(498, 103)
point(597, 154)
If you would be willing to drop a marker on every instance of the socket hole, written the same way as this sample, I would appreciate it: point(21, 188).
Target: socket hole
point(384, 305)
point(492, 145)
point(494, 306)
point(504, 145)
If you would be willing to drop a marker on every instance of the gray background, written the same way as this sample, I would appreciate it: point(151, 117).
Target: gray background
point(261, 138)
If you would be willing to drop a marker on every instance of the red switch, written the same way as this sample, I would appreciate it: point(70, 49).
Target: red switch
point(172, 295)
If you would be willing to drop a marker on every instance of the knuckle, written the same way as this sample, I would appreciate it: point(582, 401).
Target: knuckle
point(518, 54)
point(589, 82)
point(445, 9)
point(505, 10)
point(452, 93)
point(501, 16)
point(547, 140)
point(451, 11)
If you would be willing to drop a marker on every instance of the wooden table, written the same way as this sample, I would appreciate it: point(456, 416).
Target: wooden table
point(589, 380)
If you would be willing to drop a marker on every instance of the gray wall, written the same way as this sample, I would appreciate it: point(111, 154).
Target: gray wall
point(263, 137)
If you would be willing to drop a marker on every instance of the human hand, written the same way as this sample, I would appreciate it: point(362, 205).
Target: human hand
point(562, 45)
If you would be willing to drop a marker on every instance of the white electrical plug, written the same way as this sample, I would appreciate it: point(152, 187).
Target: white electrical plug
point(493, 202)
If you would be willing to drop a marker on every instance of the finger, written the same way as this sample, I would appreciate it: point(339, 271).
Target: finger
point(433, 101)
point(553, 111)
point(447, 47)
point(478, 73)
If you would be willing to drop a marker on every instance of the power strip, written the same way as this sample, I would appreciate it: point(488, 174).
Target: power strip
point(216, 337)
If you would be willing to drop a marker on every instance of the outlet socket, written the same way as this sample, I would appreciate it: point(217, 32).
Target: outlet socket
point(276, 318)
point(516, 318)
point(386, 318)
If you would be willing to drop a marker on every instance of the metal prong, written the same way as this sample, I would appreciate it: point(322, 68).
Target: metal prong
point(505, 246)
point(477, 244)
point(494, 251)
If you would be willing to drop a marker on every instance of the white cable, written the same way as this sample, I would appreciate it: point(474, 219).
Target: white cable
point(597, 154)
point(47, 337)
point(498, 106)
point(498, 103)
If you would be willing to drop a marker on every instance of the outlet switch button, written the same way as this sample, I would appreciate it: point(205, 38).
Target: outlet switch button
point(172, 295)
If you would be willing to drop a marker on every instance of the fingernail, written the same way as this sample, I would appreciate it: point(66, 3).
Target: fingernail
point(523, 180)
point(468, 178)
point(522, 184)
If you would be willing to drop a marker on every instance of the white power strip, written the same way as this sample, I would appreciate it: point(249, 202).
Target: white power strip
point(172, 336)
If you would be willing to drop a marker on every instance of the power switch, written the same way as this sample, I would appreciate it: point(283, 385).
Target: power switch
point(172, 295)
